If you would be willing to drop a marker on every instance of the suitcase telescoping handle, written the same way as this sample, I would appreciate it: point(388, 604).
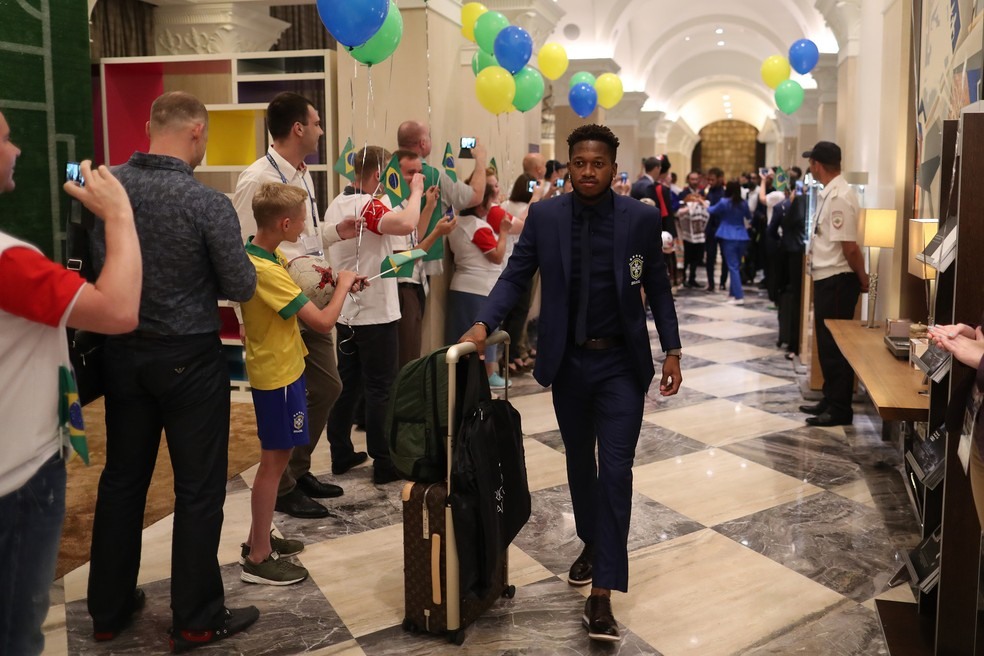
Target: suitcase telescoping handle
point(453, 581)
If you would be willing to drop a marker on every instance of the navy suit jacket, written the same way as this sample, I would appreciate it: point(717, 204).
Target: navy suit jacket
point(545, 244)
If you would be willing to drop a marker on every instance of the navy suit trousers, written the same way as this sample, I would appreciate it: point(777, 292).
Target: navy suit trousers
point(598, 399)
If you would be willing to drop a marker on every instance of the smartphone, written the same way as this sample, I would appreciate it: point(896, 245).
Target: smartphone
point(73, 173)
point(625, 177)
point(449, 214)
point(468, 142)
point(560, 183)
point(764, 172)
point(531, 186)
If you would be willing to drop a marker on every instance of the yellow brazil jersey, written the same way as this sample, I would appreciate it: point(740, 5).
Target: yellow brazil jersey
point(274, 348)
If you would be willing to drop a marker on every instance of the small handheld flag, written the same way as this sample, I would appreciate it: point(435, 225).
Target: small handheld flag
point(782, 180)
point(345, 166)
point(394, 184)
point(399, 265)
point(494, 167)
point(449, 163)
point(70, 415)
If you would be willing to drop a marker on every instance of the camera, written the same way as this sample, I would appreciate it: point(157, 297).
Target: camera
point(531, 186)
point(625, 177)
point(73, 173)
point(560, 183)
point(764, 172)
point(467, 143)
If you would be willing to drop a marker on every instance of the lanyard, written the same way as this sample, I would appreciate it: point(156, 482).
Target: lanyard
point(283, 178)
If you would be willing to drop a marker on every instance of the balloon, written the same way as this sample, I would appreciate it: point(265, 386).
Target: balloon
point(775, 69)
point(803, 56)
point(495, 88)
point(789, 96)
point(353, 23)
point(469, 14)
point(487, 27)
point(586, 78)
point(384, 42)
point(609, 88)
point(513, 47)
point(482, 60)
point(552, 60)
point(583, 99)
point(529, 89)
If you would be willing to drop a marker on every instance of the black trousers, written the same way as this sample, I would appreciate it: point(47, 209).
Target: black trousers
point(835, 298)
point(367, 364)
point(179, 385)
point(693, 254)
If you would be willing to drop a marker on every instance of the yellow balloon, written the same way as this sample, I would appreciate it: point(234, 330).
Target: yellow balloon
point(469, 14)
point(775, 69)
point(495, 88)
point(552, 60)
point(609, 88)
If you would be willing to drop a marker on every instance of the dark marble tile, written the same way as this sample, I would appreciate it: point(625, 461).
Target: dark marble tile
point(771, 365)
point(765, 340)
point(836, 542)
point(655, 443)
point(847, 629)
point(783, 401)
point(542, 619)
point(551, 539)
point(654, 402)
point(293, 620)
point(363, 507)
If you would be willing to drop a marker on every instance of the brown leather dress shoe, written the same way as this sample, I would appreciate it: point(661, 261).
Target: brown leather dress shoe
point(598, 619)
point(580, 573)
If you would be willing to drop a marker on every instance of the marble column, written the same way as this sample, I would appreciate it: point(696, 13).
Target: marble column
point(623, 119)
point(825, 75)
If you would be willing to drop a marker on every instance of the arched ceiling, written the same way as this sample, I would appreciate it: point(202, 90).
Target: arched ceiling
point(689, 58)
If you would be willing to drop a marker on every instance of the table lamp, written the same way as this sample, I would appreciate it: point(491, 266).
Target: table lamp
point(921, 232)
point(879, 233)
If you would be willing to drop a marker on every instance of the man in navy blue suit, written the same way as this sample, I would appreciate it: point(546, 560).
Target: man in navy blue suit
point(594, 250)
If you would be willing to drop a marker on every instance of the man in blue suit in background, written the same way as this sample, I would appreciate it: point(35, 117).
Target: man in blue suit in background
point(594, 250)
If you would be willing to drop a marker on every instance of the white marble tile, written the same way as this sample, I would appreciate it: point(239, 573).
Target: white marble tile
point(901, 592)
point(729, 313)
point(720, 421)
point(723, 330)
point(741, 599)
point(361, 576)
point(714, 486)
point(728, 352)
point(724, 380)
point(348, 648)
point(524, 569)
point(537, 412)
point(55, 632)
point(545, 467)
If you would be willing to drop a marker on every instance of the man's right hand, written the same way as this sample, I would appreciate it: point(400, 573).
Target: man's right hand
point(102, 194)
point(477, 336)
point(478, 152)
point(417, 183)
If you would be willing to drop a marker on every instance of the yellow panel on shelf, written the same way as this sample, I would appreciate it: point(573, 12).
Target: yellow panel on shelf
point(233, 137)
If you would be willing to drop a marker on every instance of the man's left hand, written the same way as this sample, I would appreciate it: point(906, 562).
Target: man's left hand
point(669, 384)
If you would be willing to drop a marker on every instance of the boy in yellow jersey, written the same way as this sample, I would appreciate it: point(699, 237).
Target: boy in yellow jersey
point(275, 367)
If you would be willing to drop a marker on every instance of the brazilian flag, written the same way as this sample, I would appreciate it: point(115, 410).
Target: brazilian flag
point(400, 265)
point(781, 179)
point(70, 414)
point(345, 166)
point(494, 167)
point(449, 163)
point(396, 187)
point(432, 177)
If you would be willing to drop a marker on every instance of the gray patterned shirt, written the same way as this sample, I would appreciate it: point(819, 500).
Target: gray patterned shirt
point(189, 239)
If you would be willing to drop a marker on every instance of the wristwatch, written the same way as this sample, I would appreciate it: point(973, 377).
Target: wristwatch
point(677, 352)
point(488, 330)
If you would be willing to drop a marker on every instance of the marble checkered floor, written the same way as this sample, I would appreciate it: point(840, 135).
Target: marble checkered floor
point(751, 532)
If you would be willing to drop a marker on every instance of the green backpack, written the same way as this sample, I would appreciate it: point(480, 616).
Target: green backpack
point(417, 419)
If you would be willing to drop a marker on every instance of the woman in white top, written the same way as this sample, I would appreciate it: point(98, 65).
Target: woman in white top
point(478, 252)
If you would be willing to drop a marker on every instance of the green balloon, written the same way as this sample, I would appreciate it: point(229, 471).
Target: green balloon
point(487, 27)
point(583, 76)
point(384, 42)
point(789, 96)
point(529, 89)
point(482, 60)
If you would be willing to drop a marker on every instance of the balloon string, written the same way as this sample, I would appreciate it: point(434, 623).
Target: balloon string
point(427, 56)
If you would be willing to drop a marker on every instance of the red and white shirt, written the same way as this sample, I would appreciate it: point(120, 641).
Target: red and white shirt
point(474, 273)
point(36, 297)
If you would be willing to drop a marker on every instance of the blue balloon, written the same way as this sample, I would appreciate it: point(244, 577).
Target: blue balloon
point(513, 48)
point(803, 56)
point(353, 22)
point(583, 99)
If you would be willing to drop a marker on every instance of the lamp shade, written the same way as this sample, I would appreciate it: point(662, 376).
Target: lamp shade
point(879, 228)
point(921, 232)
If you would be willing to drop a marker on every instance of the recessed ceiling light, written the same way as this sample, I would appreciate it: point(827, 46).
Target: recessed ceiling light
point(686, 38)
point(727, 103)
point(726, 97)
point(719, 30)
point(720, 43)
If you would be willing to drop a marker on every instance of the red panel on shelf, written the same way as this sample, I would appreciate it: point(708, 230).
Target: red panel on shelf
point(130, 91)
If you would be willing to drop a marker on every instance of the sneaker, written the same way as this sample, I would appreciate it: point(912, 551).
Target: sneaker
point(232, 622)
point(282, 546)
point(736, 301)
point(273, 571)
point(497, 382)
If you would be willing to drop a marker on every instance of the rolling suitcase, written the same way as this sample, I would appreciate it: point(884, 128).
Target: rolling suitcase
point(432, 591)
